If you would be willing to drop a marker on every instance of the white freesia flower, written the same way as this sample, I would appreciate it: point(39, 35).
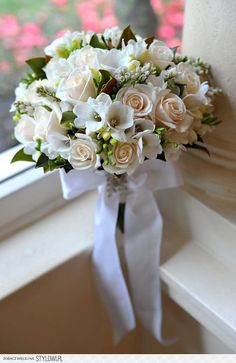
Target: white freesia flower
point(149, 143)
point(112, 35)
point(195, 100)
point(160, 55)
point(91, 114)
point(157, 82)
point(137, 50)
point(58, 143)
point(113, 60)
point(173, 151)
point(21, 95)
point(186, 74)
point(143, 126)
point(78, 86)
point(125, 158)
point(83, 153)
point(139, 97)
point(119, 117)
point(62, 46)
point(170, 111)
point(41, 117)
point(57, 68)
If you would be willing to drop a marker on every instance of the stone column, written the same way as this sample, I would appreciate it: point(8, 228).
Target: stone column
point(210, 32)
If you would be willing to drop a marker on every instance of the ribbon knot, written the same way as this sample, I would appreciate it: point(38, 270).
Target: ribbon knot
point(141, 241)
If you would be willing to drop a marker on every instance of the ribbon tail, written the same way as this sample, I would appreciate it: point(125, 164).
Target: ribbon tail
point(107, 269)
point(142, 241)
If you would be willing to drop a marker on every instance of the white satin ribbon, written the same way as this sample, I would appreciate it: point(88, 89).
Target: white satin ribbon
point(142, 241)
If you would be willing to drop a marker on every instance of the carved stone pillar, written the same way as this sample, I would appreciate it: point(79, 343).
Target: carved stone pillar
point(210, 32)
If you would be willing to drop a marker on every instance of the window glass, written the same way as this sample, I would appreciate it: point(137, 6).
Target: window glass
point(27, 26)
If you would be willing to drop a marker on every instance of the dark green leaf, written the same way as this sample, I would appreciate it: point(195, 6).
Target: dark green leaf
point(174, 49)
point(126, 35)
point(107, 82)
point(96, 43)
point(149, 41)
point(68, 116)
point(42, 161)
point(37, 65)
point(161, 156)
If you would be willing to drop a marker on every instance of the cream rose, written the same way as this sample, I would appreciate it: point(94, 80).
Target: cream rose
point(139, 98)
point(160, 55)
point(83, 153)
point(170, 110)
point(125, 158)
point(78, 86)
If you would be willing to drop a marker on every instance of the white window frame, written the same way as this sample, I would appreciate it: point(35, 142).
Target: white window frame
point(26, 193)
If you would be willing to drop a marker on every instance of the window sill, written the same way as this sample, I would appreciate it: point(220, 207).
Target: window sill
point(207, 293)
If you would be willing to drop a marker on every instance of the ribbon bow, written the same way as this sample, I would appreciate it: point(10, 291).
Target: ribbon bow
point(141, 243)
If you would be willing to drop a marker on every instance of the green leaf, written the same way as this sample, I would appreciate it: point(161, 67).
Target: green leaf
point(96, 43)
point(37, 65)
point(42, 161)
point(21, 156)
point(68, 116)
point(126, 35)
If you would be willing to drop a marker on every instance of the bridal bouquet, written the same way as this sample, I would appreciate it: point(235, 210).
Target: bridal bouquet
point(109, 109)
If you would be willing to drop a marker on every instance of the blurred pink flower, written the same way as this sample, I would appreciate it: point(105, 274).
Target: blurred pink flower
point(158, 6)
point(176, 19)
point(31, 36)
point(174, 42)
point(21, 55)
point(166, 32)
point(174, 13)
point(60, 33)
point(5, 66)
point(96, 15)
point(59, 2)
point(8, 26)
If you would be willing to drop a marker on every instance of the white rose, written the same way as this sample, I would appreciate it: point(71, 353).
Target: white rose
point(83, 153)
point(86, 56)
point(160, 55)
point(125, 158)
point(25, 129)
point(170, 110)
point(139, 98)
point(57, 68)
point(78, 86)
